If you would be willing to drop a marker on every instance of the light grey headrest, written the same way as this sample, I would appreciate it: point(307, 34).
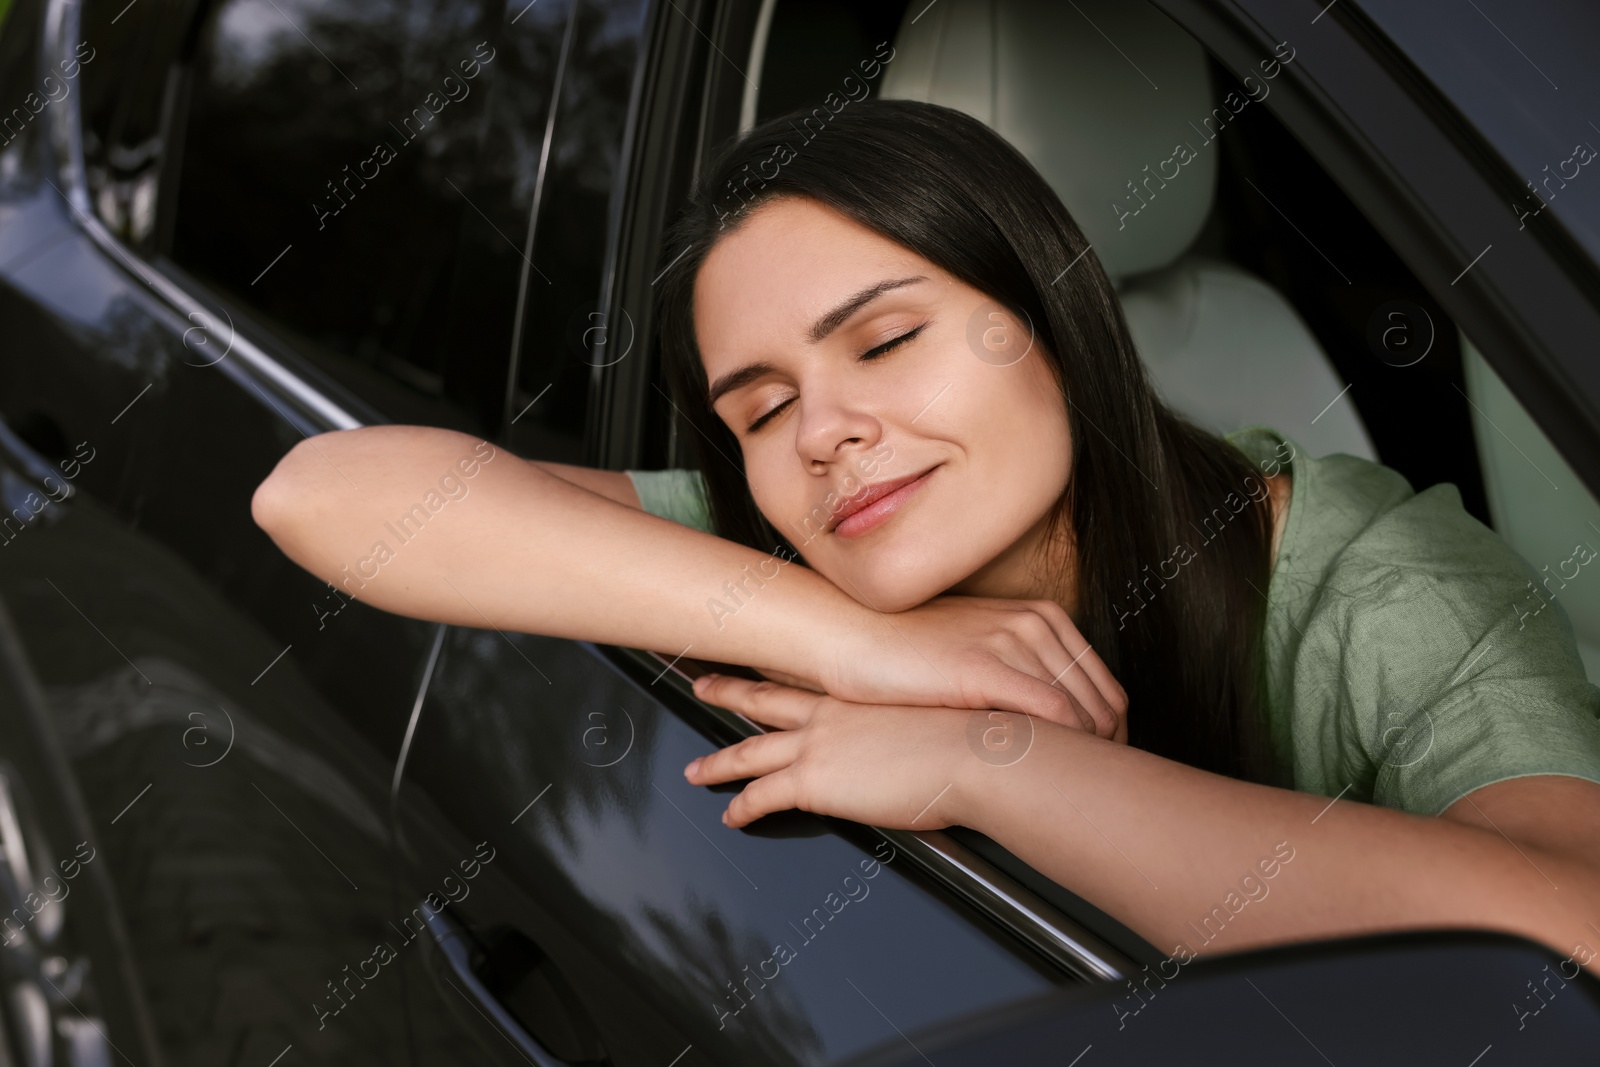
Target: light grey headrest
point(1106, 98)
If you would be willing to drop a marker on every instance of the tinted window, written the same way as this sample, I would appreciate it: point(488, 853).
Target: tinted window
point(119, 65)
point(566, 343)
point(360, 176)
point(1525, 75)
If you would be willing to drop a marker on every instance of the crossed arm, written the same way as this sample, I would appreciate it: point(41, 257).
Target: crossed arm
point(1195, 862)
point(1180, 855)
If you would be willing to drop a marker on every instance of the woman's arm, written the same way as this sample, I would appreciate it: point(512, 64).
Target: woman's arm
point(1196, 862)
point(1181, 855)
point(389, 515)
point(439, 525)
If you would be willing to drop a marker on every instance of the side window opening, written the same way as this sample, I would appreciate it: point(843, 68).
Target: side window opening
point(1277, 218)
point(1538, 504)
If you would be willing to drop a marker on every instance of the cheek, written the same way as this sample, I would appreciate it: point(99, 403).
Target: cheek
point(777, 486)
point(1014, 418)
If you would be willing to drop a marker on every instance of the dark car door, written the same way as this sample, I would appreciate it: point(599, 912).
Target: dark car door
point(196, 276)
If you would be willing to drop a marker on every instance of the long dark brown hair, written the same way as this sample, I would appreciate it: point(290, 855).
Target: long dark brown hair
point(940, 183)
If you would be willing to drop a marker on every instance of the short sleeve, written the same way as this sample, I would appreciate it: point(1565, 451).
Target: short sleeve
point(677, 494)
point(1451, 671)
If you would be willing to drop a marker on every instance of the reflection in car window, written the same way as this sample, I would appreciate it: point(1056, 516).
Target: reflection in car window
point(120, 68)
point(565, 339)
point(360, 176)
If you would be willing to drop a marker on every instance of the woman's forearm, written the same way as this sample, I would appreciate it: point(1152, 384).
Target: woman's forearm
point(1200, 863)
point(390, 516)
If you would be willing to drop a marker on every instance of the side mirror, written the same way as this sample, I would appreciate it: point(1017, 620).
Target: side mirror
point(1467, 997)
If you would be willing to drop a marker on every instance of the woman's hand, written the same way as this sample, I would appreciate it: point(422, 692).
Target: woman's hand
point(980, 652)
point(893, 767)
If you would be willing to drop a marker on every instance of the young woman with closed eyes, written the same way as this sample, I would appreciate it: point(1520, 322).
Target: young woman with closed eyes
point(993, 581)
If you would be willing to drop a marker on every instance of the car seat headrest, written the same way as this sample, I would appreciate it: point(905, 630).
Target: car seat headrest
point(1108, 99)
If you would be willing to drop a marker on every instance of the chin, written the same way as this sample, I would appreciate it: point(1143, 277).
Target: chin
point(889, 584)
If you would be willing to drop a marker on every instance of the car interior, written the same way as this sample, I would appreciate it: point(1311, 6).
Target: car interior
point(1255, 291)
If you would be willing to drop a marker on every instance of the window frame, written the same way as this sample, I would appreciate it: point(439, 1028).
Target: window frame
point(1434, 188)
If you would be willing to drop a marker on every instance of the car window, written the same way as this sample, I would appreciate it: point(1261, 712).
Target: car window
point(120, 66)
point(1524, 75)
point(1278, 225)
point(1539, 505)
point(566, 343)
point(359, 177)
point(809, 46)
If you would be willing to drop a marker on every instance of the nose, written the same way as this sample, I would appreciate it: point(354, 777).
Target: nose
point(833, 426)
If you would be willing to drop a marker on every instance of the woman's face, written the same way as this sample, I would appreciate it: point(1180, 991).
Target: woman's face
point(846, 365)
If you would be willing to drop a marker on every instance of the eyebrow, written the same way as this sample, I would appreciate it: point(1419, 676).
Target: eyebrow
point(819, 330)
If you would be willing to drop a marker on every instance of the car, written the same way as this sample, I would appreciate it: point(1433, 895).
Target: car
point(310, 831)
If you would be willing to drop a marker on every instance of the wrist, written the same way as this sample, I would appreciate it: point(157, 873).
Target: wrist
point(1006, 765)
point(993, 749)
point(841, 632)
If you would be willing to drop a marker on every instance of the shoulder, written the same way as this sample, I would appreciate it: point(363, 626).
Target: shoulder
point(677, 493)
point(1425, 665)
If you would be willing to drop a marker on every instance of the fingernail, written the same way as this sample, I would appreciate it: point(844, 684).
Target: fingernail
point(688, 772)
point(724, 817)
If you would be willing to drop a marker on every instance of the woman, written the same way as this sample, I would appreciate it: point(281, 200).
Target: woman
point(998, 584)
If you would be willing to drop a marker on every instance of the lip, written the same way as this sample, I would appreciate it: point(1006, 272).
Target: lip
point(874, 506)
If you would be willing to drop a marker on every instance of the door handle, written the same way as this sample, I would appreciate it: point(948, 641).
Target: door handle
point(467, 960)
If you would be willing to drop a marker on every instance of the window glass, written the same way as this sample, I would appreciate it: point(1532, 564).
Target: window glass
point(359, 176)
point(120, 65)
point(812, 45)
point(1524, 74)
point(566, 342)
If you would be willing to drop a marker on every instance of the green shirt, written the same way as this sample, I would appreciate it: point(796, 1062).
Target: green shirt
point(1407, 661)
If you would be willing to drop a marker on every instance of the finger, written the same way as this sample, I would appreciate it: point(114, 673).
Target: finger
point(765, 702)
point(1075, 681)
point(784, 678)
point(750, 758)
point(1074, 643)
point(1033, 648)
point(1017, 689)
point(774, 792)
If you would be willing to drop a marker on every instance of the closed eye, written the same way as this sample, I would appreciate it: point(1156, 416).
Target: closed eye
point(892, 343)
point(763, 420)
point(867, 356)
